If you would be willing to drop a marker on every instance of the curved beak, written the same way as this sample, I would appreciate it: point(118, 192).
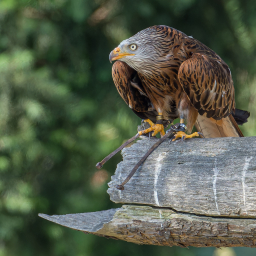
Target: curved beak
point(117, 54)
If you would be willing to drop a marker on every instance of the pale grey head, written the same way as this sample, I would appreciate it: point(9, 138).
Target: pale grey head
point(142, 51)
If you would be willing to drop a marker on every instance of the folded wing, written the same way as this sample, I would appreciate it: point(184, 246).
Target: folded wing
point(208, 84)
point(131, 90)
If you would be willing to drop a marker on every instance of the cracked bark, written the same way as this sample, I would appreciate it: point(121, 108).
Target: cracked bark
point(198, 193)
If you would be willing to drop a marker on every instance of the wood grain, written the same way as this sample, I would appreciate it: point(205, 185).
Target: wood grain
point(211, 177)
point(148, 225)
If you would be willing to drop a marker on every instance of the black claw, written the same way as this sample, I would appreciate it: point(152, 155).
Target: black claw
point(201, 134)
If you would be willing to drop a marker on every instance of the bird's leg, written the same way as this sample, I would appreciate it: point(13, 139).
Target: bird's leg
point(156, 128)
point(180, 128)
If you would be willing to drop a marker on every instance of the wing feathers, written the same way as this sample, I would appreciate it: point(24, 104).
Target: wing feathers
point(132, 92)
point(208, 85)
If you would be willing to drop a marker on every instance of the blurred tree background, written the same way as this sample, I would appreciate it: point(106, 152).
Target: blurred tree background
point(60, 112)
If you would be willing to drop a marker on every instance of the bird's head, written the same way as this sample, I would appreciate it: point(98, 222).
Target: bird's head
point(143, 50)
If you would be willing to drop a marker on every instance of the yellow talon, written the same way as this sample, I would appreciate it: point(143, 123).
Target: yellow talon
point(149, 121)
point(184, 136)
point(154, 127)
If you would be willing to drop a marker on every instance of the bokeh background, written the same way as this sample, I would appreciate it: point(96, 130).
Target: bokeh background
point(60, 112)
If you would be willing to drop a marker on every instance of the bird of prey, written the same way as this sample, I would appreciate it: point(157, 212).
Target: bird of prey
point(163, 74)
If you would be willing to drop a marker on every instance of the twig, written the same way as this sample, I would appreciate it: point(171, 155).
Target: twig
point(100, 164)
point(169, 133)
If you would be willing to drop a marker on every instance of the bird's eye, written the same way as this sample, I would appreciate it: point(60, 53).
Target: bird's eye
point(133, 47)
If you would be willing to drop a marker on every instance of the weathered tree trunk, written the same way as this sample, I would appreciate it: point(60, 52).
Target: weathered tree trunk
point(201, 192)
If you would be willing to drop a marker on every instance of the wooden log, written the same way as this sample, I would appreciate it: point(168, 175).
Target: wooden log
point(148, 225)
point(200, 192)
point(211, 177)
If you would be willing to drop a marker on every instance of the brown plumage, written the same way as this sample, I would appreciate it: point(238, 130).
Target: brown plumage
point(163, 72)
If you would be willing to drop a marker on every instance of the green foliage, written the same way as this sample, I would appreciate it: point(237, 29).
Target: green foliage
point(61, 114)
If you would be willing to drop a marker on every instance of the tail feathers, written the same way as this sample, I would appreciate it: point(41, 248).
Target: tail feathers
point(211, 128)
point(232, 123)
point(240, 116)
